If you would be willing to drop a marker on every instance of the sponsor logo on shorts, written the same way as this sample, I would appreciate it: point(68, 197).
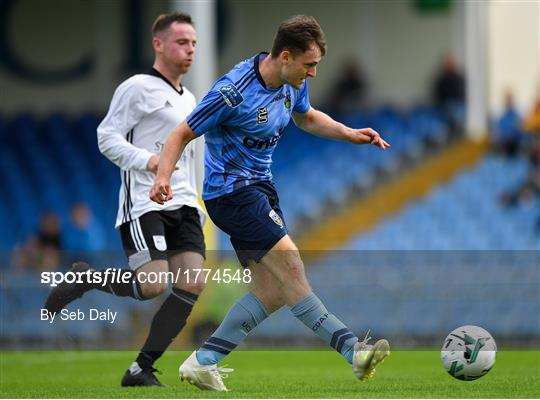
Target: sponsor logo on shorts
point(276, 218)
point(160, 243)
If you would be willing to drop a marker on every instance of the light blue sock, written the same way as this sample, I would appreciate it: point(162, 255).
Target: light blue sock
point(244, 315)
point(312, 312)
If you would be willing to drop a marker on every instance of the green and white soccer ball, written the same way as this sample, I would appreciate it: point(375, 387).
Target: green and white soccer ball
point(468, 352)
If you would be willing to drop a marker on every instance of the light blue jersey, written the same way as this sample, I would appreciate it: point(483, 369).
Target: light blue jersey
point(242, 121)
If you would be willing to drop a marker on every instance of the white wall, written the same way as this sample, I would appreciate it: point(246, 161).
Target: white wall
point(409, 48)
point(56, 34)
point(514, 52)
point(398, 47)
point(41, 36)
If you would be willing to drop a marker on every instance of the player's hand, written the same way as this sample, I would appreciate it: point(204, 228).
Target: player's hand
point(153, 163)
point(161, 191)
point(369, 136)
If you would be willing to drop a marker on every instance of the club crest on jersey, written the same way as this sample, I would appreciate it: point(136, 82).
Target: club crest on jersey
point(287, 101)
point(159, 242)
point(276, 218)
point(231, 95)
point(262, 115)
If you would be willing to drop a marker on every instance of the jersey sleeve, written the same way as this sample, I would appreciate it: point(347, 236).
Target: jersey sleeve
point(302, 104)
point(215, 108)
point(130, 103)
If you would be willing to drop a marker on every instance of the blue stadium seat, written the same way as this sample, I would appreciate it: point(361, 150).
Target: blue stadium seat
point(58, 162)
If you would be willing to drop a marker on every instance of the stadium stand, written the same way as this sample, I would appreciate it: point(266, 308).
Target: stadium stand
point(53, 162)
point(48, 164)
point(465, 214)
point(415, 297)
point(327, 171)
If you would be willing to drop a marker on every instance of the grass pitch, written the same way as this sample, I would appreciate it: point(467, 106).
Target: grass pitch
point(265, 374)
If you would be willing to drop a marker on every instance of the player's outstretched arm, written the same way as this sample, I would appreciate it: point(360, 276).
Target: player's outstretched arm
point(320, 124)
point(173, 148)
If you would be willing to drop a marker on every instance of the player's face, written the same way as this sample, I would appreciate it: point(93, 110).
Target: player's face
point(297, 68)
point(178, 46)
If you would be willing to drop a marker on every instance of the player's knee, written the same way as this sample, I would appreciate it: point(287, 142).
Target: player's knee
point(191, 287)
point(155, 289)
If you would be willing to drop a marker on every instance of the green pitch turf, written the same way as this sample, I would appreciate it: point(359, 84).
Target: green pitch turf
point(266, 374)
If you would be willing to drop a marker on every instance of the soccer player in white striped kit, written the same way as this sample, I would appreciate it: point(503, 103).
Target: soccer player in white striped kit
point(156, 238)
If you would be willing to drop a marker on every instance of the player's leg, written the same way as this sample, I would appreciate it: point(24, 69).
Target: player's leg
point(261, 237)
point(284, 270)
point(266, 288)
point(249, 311)
point(254, 226)
point(246, 215)
point(147, 259)
point(144, 257)
point(269, 292)
point(171, 317)
point(284, 262)
point(141, 373)
point(184, 241)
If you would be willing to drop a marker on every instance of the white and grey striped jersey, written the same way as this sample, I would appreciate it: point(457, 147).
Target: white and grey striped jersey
point(144, 110)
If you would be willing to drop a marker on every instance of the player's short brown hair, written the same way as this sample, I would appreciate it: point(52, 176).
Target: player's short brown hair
point(164, 21)
point(297, 34)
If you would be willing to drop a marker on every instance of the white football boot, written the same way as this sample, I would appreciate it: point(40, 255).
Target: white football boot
point(366, 357)
point(205, 377)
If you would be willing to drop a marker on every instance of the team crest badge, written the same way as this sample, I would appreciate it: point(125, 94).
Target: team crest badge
point(288, 101)
point(160, 243)
point(276, 218)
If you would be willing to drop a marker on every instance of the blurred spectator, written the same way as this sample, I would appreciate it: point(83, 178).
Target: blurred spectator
point(83, 233)
point(508, 132)
point(41, 251)
point(449, 92)
point(532, 121)
point(349, 91)
point(529, 190)
point(49, 235)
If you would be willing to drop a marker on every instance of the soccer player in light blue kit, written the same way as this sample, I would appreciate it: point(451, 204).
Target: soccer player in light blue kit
point(243, 117)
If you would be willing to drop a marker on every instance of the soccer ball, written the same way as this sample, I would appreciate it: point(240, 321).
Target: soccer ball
point(468, 352)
